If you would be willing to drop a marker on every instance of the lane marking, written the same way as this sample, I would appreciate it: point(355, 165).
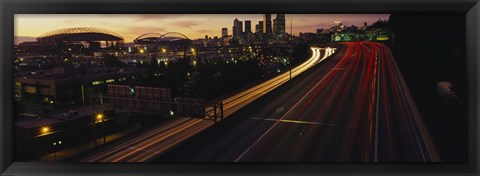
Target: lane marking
point(310, 123)
point(143, 150)
point(288, 112)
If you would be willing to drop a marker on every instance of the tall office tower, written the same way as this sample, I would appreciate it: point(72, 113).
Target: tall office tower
point(224, 32)
point(259, 27)
point(279, 26)
point(267, 24)
point(248, 26)
point(237, 28)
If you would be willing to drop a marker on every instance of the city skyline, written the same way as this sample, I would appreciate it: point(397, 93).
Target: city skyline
point(29, 26)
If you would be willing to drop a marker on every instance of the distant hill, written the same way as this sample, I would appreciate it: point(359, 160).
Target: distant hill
point(21, 39)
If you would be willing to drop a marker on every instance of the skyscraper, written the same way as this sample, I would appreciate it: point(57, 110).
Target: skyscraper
point(237, 28)
point(259, 27)
point(267, 24)
point(224, 32)
point(248, 26)
point(279, 26)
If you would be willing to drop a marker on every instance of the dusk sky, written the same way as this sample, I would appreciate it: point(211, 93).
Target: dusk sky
point(130, 26)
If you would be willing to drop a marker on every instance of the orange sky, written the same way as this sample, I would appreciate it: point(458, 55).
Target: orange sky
point(130, 26)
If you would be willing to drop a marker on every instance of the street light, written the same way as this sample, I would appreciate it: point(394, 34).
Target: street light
point(44, 130)
point(99, 118)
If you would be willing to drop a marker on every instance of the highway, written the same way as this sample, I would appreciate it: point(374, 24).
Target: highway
point(240, 100)
point(155, 141)
point(354, 107)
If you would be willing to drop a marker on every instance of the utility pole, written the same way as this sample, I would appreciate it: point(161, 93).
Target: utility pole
point(215, 112)
point(221, 110)
point(102, 120)
point(291, 51)
point(93, 121)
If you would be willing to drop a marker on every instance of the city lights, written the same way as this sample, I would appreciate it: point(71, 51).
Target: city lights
point(99, 118)
point(45, 130)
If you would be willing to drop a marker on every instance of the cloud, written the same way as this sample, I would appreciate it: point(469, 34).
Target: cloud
point(184, 23)
point(203, 31)
point(69, 21)
point(144, 29)
point(156, 17)
point(313, 25)
point(135, 31)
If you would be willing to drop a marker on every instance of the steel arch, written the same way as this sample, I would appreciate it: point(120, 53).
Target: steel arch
point(172, 36)
point(148, 35)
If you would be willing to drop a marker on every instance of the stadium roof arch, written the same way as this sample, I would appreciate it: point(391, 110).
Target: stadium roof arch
point(88, 34)
point(147, 38)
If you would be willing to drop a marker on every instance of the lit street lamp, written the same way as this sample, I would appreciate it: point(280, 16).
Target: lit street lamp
point(99, 118)
point(44, 130)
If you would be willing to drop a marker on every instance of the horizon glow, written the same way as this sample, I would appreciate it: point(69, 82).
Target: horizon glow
point(195, 26)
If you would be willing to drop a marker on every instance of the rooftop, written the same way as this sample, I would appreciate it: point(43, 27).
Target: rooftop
point(29, 120)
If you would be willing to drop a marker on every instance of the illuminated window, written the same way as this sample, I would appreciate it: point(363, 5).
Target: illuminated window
point(132, 91)
point(97, 83)
point(110, 81)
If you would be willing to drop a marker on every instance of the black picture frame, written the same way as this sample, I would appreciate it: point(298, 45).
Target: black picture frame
point(8, 8)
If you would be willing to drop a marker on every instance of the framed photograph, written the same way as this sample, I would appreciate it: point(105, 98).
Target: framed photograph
point(239, 87)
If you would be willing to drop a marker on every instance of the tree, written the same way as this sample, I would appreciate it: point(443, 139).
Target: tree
point(112, 61)
point(300, 53)
point(153, 63)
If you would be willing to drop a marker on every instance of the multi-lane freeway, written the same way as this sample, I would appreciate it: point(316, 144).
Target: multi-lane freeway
point(152, 143)
point(354, 107)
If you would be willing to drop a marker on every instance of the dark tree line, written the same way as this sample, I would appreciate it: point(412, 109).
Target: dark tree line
point(429, 49)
